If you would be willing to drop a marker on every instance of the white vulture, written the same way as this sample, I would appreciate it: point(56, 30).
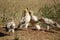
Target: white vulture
point(49, 22)
point(11, 25)
point(34, 21)
point(25, 19)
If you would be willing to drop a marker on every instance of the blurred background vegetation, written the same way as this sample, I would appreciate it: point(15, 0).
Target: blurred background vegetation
point(14, 8)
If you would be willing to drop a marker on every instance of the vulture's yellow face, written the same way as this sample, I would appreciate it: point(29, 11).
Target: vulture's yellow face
point(11, 18)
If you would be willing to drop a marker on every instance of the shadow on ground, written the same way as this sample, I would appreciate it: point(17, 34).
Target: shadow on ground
point(2, 34)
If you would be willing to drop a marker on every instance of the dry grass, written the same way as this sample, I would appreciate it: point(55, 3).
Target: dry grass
point(15, 7)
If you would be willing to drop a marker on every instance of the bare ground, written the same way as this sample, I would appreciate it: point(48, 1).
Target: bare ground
point(30, 35)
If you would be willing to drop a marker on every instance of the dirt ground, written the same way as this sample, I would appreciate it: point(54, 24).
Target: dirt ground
point(30, 35)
